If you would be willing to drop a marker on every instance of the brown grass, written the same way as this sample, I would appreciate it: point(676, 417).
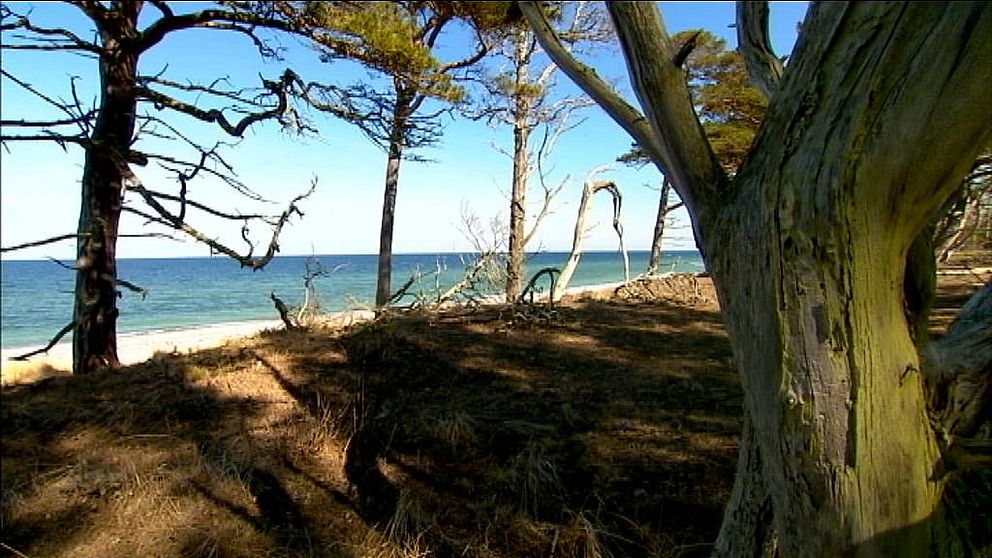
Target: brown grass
point(600, 428)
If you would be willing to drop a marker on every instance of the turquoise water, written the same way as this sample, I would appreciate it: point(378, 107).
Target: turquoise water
point(188, 292)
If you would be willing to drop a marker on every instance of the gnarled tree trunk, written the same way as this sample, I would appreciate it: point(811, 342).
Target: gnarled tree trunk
point(94, 345)
point(810, 260)
point(881, 112)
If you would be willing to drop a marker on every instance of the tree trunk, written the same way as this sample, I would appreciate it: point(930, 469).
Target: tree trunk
point(659, 228)
point(810, 255)
point(881, 112)
point(94, 345)
point(401, 114)
point(521, 167)
point(579, 235)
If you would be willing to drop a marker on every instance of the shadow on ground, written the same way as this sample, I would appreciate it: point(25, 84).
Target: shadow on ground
point(602, 428)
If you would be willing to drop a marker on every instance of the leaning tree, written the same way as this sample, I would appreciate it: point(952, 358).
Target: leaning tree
point(880, 113)
point(119, 132)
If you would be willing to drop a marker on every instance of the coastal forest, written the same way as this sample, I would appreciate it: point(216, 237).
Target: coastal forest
point(823, 389)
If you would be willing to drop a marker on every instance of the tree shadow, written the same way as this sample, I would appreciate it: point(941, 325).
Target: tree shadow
point(540, 424)
point(138, 461)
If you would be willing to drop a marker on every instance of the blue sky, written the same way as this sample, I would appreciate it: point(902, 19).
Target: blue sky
point(39, 183)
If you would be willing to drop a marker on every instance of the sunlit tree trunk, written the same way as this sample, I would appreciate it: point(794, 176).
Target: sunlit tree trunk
point(881, 112)
point(809, 253)
point(104, 174)
point(522, 106)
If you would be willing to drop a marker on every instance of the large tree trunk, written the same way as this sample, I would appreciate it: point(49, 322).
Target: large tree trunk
point(522, 127)
point(810, 261)
point(654, 263)
point(104, 172)
point(882, 110)
point(401, 114)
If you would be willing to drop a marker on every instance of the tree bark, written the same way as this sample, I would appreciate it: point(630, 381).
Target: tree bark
point(654, 263)
point(881, 112)
point(521, 167)
point(401, 115)
point(809, 257)
point(94, 345)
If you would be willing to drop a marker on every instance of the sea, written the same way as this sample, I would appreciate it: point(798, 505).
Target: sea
point(184, 293)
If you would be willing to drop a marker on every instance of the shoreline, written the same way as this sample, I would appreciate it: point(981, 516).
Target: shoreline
point(137, 347)
point(132, 348)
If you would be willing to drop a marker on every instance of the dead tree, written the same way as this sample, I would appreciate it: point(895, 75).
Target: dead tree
point(590, 188)
point(520, 96)
point(132, 106)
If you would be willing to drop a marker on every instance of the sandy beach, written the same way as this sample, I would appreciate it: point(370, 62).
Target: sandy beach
point(131, 347)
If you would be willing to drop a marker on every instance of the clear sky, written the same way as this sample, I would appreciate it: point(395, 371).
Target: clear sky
point(39, 183)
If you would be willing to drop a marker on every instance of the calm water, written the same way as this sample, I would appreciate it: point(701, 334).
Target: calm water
point(188, 292)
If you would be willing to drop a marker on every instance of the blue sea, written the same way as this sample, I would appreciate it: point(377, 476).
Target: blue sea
point(190, 292)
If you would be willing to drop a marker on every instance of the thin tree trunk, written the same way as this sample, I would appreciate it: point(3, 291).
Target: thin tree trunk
point(401, 115)
point(654, 263)
point(521, 168)
point(94, 345)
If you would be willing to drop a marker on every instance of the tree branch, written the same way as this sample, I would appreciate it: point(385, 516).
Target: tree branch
point(661, 88)
point(628, 117)
point(764, 68)
point(279, 88)
point(157, 31)
point(51, 240)
point(167, 218)
point(58, 336)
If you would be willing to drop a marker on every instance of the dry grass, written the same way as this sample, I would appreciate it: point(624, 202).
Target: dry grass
point(604, 428)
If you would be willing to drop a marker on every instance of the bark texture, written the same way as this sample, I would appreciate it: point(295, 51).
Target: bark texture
point(812, 277)
point(881, 112)
point(94, 344)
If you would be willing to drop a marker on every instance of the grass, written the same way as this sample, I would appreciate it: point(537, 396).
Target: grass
point(606, 428)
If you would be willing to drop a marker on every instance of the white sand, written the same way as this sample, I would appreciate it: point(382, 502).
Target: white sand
point(131, 348)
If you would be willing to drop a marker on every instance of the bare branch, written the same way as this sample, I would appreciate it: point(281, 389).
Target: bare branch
point(240, 21)
point(628, 117)
point(58, 336)
point(167, 218)
point(279, 88)
point(663, 93)
point(183, 201)
point(51, 240)
point(46, 34)
point(764, 68)
point(74, 111)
